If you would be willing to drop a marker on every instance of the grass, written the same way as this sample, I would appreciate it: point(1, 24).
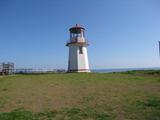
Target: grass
point(70, 114)
point(130, 95)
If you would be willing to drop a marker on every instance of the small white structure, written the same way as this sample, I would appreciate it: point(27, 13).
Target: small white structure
point(78, 58)
point(6, 68)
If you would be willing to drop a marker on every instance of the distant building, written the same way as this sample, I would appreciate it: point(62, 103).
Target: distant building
point(6, 68)
point(159, 47)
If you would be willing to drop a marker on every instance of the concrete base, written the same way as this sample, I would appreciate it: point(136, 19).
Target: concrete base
point(79, 71)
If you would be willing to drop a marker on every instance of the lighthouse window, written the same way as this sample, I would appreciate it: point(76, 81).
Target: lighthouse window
point(80, 50)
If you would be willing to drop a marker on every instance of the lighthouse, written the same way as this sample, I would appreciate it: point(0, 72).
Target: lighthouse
point(78, 57)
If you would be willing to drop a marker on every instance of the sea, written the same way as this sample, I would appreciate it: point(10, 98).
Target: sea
point(122, 69)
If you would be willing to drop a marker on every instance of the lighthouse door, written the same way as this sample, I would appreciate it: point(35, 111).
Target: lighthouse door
point(80, 50)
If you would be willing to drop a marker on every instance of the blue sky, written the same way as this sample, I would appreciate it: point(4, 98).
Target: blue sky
point(122, 33)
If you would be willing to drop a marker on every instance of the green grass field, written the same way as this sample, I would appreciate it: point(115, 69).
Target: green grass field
point(81, 96)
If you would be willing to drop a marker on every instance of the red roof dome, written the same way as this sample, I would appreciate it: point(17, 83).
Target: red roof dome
point(77, 26)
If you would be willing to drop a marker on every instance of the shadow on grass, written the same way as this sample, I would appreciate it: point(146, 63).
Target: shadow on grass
point(65, 114)
point(18, 114)
point(145, 110)
point(143, 72)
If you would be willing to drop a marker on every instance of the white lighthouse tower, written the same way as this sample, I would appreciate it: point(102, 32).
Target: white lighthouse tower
point(78, 58)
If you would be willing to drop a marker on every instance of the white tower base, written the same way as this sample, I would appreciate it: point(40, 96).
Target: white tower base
point(78, 59)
